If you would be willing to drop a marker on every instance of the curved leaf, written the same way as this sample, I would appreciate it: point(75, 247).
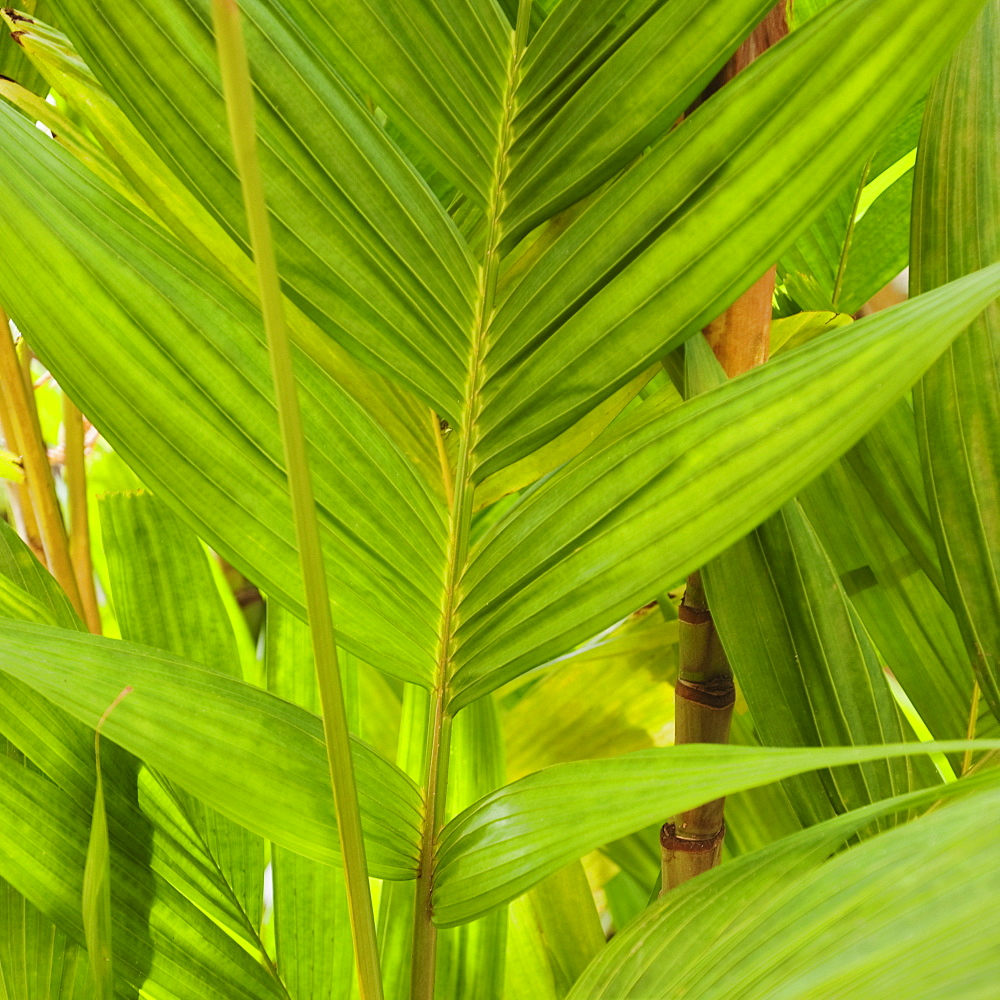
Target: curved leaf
point(163, 943)
point(889, 918)
point(194, 724)
point(511, 839)
point(167, 358)
point(363, 245)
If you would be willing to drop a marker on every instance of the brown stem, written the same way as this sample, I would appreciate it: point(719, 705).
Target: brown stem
point(37, 472)
point(20, 503)
point(705, 693)
point(75, 472)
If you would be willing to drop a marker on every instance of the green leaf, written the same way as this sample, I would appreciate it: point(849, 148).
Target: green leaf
point(794, 331)
point(37, 960)
point(163, 943)
point(208, 440)
point(29, 590)
point(861, 241)
point(566, 446)
point(805, 665)
point(663, 492)
point(888, 918)
point(606, 699)
point(97, 893)
point(364, 247)
point(568, 923)
point(511, 839)
point(163, 591)
point(562, 153)
point(956, 229)
point(680, 235)
point(13, 63)
point(529, 973)
point(437, 70)
point(164, 596)
point(194, 724)
point(908, 620)
point(312, 926)
point(886, 461)
point(470, 962)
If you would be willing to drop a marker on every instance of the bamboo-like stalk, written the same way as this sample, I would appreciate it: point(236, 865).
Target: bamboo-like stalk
point(39, 485)
point(705, 692)
point(20, 503)
point(75, 473)
point(240, 110)
point(703, 709)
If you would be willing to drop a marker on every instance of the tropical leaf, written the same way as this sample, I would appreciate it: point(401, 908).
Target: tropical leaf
point(192, 724)
point(643, 268)
point(956, 229)
point(656, 497)
point(312, 935)
point(511, 839)
point(163, 942)
point(165, 596)
point(97, 894)
point(37, 960)
point(891, 914)
point(206, 447)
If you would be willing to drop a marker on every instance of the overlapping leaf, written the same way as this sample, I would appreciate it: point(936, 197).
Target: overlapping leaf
point(363, 245)
point(661, 493)
point(957, 229)
point(888, 917)
point(192, 724)
point(160, 335)
point(509, 840)
point(682, 233)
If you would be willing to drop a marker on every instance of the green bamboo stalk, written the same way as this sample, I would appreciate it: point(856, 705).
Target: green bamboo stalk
point(705, 693)
point(75, 472)
point(240, 109)
point(40, 488)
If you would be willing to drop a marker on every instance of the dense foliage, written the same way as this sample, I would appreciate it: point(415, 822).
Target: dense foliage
point(500, 228)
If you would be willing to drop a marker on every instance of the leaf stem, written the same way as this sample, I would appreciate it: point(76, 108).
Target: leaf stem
point(75, 472)
point(439, 734)
point(970, 733)
point(40, 488)
point(240, 109)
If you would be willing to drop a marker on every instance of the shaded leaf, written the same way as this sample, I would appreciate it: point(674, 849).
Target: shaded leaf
point(192, 724)
point(956, 228)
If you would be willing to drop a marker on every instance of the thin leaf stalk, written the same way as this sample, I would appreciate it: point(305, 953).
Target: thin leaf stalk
point(240, 110)
point(75, 472)
point(705, 693)
point(422, 978)
point(40, 487)
point(970, 733)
